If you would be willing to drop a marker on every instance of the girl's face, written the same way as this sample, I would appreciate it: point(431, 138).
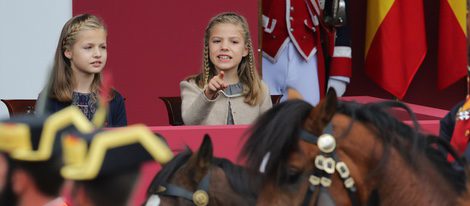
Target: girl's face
point(88, 54)
point(226, 46)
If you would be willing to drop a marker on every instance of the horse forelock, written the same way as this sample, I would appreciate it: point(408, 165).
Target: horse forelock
point(275, 132)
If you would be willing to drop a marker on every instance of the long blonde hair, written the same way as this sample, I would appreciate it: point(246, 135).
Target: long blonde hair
point(246, 71)
point(63, 83)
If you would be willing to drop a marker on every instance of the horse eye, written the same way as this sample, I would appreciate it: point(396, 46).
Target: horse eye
point(293, 174)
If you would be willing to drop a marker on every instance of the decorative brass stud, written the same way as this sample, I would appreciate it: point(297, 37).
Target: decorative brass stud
point(200, 198)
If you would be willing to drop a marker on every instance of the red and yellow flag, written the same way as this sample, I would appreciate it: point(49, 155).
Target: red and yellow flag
point(452, 50)
point(395, 43)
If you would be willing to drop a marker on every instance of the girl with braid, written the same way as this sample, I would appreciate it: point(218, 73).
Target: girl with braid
point(79, 60)
point(228, 90)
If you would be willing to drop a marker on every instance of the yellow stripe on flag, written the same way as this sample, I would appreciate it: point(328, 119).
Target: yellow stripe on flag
point(376, 12)
point(459, 7)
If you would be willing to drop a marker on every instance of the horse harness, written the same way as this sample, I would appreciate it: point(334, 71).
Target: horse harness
point(325, 165)
point(199, 198)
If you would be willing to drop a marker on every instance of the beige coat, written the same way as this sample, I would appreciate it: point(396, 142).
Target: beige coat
point(197, 109)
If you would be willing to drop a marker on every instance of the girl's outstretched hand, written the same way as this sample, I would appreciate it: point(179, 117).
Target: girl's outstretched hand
point(215, 84)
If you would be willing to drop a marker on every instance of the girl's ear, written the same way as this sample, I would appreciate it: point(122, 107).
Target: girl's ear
point(245, 51)
point(68, 54)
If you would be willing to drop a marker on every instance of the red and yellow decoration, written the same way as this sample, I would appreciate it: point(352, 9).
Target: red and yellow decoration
point(452, 50)
point(395, 43)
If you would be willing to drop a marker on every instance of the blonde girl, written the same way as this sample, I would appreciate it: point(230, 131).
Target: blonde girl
point(79, 60)
point(228, 90)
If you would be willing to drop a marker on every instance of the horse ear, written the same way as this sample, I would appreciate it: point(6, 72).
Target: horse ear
point(331, 103)
point(205, 152)
point(322, 114)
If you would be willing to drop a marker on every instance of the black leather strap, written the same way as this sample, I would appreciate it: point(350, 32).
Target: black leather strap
point(177, 191)
point(311, 138)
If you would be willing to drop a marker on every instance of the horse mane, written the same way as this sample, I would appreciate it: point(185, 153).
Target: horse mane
point(406, 140)
point(276, 131)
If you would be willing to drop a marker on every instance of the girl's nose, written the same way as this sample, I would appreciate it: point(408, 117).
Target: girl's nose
point(224, 45)
point(96, 52)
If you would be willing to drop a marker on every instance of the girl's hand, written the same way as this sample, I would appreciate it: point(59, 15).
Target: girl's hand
point(215, 84)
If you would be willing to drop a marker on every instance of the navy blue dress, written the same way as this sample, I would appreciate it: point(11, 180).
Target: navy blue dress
point(117, 109)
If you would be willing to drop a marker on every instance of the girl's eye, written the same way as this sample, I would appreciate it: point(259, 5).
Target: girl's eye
point(235, 42)
point(215, 41)
point(103, 47)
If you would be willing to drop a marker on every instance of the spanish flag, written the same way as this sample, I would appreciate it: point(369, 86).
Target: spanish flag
point(395, 43)
point(452, 50)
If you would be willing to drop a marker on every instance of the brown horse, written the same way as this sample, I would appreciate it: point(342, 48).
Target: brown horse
point(389, 163)
point(201, 179)
point(280, 132)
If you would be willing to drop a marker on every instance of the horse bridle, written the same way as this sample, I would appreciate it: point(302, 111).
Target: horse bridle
point(200, 197)
point(325, 165)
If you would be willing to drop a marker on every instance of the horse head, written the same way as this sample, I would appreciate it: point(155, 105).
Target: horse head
point(280, 147)
point(379, 160)
point(368, 157)
point(201, 179)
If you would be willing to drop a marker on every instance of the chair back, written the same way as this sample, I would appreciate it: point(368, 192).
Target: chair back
point(19, 106)
point(173, 108)
point(276, 99)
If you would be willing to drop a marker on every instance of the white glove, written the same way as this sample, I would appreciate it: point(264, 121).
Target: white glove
point(338, 85)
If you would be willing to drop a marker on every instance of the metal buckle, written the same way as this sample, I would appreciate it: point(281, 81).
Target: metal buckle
point(200, 198)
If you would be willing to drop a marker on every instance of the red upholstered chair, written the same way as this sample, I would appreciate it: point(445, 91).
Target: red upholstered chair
point(19, 106)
